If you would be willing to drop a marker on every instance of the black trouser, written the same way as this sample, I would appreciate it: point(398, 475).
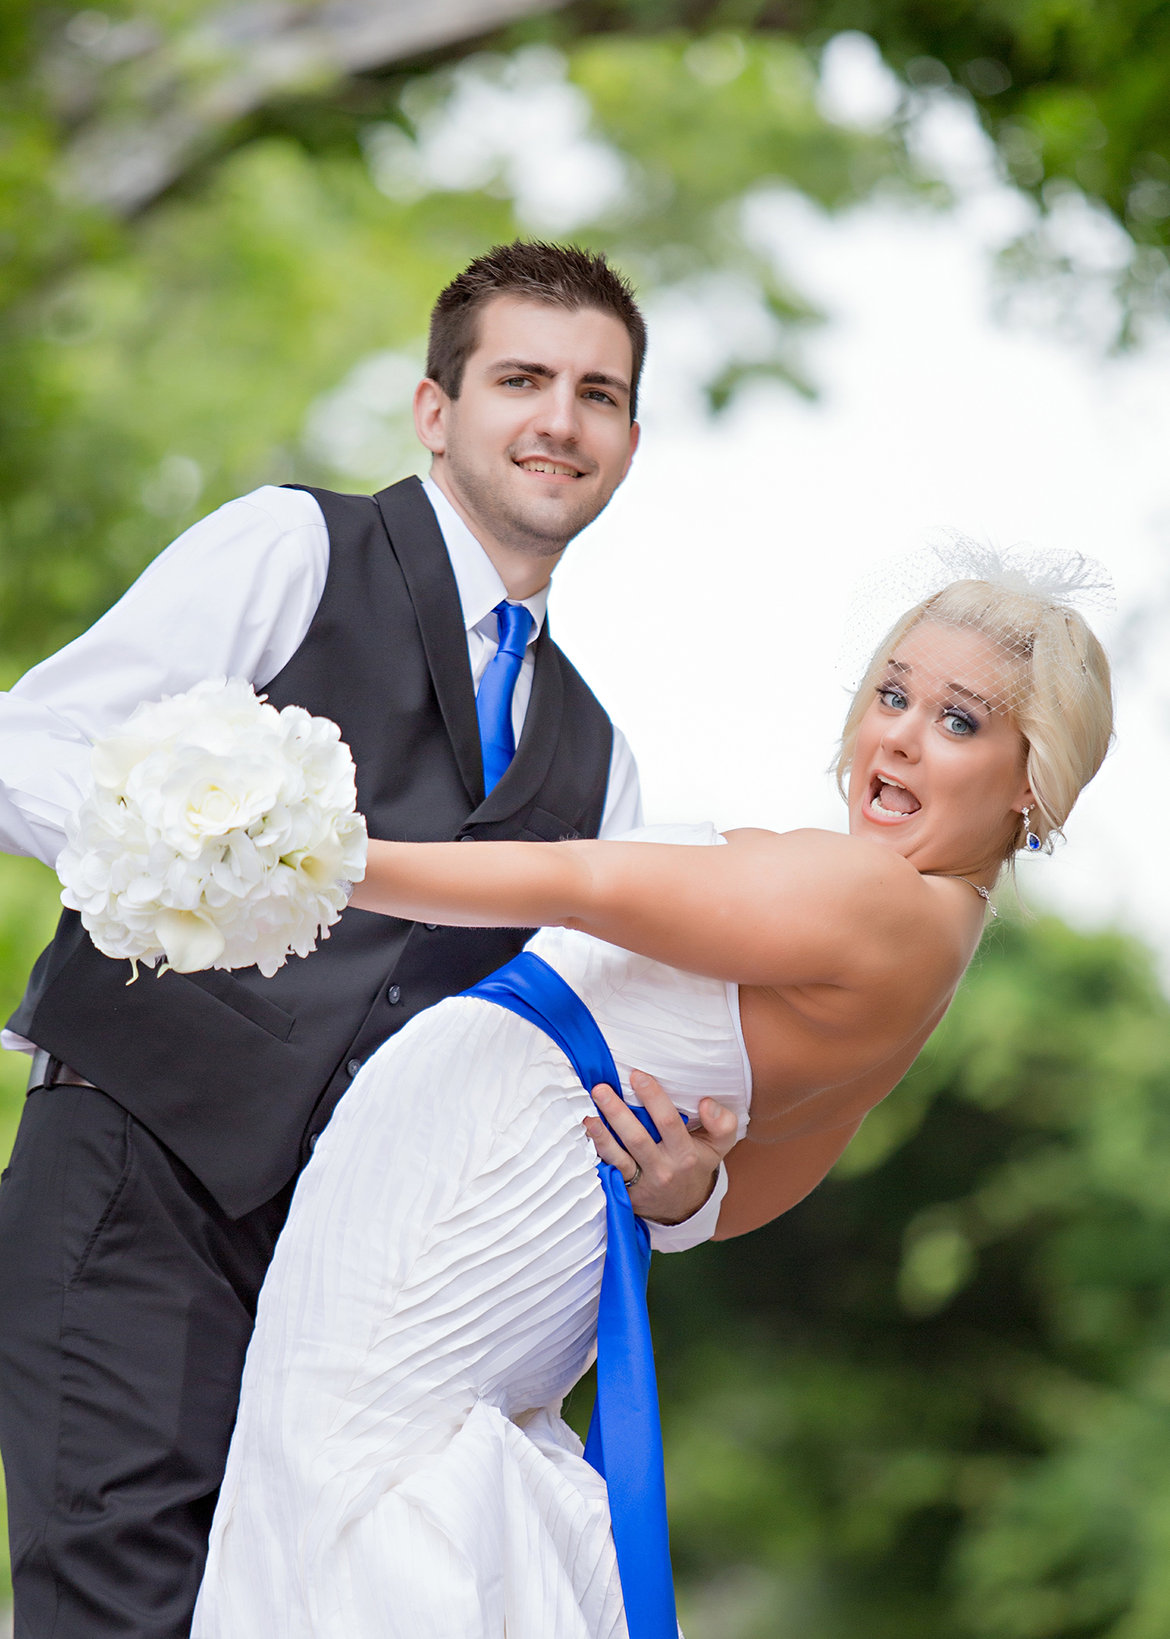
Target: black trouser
point(127, 1299)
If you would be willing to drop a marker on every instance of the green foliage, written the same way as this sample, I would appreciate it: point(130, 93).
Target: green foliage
point(1075, 90)
point(1072, 90)
point(178, 372)
point(159, 363)
point(935, 1398)
point(1075, 95)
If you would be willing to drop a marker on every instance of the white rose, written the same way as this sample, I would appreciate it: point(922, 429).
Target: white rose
point(191, 797)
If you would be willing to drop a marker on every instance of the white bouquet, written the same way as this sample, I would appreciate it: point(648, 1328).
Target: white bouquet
point(220, 832)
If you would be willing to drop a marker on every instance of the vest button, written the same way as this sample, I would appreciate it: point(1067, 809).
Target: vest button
point(312, 1144)
point(394, 995)
point(353, 1067)
point(430, 926)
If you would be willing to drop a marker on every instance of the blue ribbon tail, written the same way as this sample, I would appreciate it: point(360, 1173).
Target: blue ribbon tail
point(625, 1435)
point(626, 1430)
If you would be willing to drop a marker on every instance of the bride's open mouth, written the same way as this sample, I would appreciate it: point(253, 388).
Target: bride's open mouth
point(890, 801)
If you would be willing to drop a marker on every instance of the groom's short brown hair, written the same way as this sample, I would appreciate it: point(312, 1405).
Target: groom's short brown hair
point(560, 275)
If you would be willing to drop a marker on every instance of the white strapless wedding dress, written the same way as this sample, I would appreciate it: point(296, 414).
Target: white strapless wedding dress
point(399, 1468)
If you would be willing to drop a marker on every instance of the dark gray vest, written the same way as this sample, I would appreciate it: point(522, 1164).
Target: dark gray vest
point(236, 1073)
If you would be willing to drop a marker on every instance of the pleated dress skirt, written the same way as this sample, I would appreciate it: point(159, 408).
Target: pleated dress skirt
point(400, 1468)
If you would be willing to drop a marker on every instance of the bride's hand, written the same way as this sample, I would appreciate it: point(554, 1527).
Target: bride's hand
point(678, 1174)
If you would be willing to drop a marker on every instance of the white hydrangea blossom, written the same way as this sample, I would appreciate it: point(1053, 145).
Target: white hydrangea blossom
point(220, 832)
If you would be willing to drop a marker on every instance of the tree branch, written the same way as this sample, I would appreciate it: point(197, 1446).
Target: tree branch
point(156, 111)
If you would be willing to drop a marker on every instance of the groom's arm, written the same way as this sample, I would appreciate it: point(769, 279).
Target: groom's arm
point(233, 596)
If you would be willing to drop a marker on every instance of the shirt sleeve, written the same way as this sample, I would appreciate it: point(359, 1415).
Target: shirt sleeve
point(233, 596)
point(623, 794)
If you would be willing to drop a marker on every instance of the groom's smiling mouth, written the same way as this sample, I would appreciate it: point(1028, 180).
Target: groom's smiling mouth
point(549, 468)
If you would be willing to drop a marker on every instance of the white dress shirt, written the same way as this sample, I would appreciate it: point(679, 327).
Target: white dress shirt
point(234, 596)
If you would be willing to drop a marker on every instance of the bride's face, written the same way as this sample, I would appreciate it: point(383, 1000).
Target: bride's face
point(939, 769)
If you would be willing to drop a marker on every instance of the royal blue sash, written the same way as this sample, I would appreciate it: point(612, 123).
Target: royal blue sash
point(625, 1436)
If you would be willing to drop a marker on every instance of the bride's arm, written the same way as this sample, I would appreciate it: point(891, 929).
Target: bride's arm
point(767, 909)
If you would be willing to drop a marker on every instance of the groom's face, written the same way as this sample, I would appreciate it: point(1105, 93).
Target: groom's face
point(540, 434)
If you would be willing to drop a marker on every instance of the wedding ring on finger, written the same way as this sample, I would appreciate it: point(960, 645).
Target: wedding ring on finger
point(630, 1182)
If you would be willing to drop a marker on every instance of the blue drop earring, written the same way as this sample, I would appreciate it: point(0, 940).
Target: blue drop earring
point(1031, 840)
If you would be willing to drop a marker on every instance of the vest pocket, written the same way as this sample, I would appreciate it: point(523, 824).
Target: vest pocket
point(541, 826)
point(241, 999)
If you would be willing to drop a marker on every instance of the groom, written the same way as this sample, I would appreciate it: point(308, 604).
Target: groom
point(167, 1120)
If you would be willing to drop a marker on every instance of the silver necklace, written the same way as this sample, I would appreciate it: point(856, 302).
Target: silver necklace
point(982, 892)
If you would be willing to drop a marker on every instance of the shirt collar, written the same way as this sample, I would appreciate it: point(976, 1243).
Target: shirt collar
point(476, 576)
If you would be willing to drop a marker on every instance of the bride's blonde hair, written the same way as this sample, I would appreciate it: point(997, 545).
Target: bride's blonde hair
point(1059, 691)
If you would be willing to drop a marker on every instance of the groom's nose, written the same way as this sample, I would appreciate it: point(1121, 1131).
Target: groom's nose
point(559, 412)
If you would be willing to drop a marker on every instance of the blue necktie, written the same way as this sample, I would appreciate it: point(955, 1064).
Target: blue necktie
point(493, 702)
point(625, 1436)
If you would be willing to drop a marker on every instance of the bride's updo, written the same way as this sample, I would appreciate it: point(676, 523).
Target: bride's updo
point(1058, 689)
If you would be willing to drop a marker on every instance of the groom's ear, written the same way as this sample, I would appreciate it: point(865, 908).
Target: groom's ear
point(635, 435)
point(430, 416)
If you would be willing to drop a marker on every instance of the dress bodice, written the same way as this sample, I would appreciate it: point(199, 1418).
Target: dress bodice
point(682, 1028)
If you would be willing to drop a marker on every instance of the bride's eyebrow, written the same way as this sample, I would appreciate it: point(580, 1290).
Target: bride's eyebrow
point(906, 669)
point(969, 694)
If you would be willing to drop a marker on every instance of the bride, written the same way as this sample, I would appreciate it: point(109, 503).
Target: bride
point(399, 1467)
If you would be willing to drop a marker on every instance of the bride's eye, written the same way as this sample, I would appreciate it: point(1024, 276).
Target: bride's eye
point(892, 697)
point(958, 722)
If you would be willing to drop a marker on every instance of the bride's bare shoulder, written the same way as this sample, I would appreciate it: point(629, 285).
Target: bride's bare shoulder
point(830, 856)
point(862, 896)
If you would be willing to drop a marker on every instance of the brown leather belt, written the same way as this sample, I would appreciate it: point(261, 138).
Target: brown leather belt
point(50, 1072)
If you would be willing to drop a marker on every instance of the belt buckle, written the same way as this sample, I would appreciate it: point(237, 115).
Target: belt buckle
point(49, 1071)
point(41, 1073)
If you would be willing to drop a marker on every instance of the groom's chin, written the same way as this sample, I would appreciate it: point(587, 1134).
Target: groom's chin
point(552, 519)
